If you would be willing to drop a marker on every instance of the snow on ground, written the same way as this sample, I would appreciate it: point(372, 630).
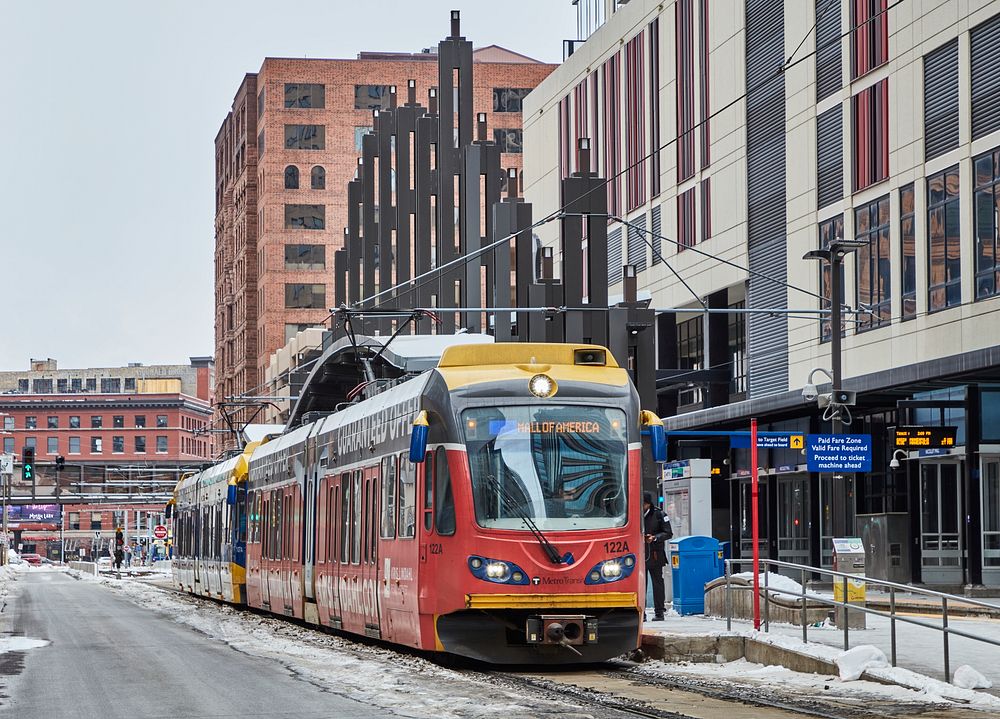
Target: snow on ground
point(406, 685)
point(919, 652)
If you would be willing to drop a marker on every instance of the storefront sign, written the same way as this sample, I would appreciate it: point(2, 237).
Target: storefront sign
point(839, 452)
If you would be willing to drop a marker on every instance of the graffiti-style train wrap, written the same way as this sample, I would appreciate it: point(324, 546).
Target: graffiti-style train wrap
point(489, 507)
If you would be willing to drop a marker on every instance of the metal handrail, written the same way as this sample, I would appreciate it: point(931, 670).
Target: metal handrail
point(846, 606)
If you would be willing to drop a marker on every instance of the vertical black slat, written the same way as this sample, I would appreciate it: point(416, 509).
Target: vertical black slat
point(424, 190)
point(615, 256)
point(828, 45)
point(369, 227)
point(941, 100)
point(637, 243)
point(829, 156)
point(656, 225)
point(385, 129)
point(767, 335)
point(985, 78)
point(355, 249)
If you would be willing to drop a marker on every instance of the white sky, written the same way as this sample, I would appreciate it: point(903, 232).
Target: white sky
point(109, 113)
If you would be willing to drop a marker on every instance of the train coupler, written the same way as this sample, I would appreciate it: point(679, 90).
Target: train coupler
point(565, 629)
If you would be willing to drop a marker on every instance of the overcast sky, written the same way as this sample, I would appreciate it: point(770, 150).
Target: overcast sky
point(109, 113)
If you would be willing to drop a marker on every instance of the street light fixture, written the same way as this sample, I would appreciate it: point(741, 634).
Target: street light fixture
point(894, 463)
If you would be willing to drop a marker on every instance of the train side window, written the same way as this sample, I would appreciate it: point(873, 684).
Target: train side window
point(407, 498)
point(445, 509)
point(356, 524)
point(428, 472)
point(388, 530)
point(345, 518)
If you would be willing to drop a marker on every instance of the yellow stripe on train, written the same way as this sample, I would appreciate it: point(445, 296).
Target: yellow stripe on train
point(551, 601)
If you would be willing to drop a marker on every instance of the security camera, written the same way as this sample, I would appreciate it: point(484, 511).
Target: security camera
point(809, 392)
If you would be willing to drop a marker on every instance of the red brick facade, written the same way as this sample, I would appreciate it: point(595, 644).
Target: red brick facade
point(251, 195)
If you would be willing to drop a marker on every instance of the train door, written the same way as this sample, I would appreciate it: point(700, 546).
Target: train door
point(196, 547)
point(369, 551)
point(296, 549)
point(264, 498)
point(349, 579)
point(274, 556)
point(309, 532)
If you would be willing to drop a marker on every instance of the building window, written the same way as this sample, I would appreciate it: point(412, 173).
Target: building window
point(871, 224)
point(74, 445)
point(908, 240)
point(95, 520)
point(685, 220)
point(706, 208)
point(870, 37)
point(870, 111)
point(303, 296)
point(74, 421)
point(635, 122)
point(52, 445)
point(117, 444)
point(690, 356)
point(62, 385)
point(684, 46)
point(260, 103)
point(291, 177)
point(96, 421)
point(118, 420)
point(140, 420)
point(987, 168)
point(23, 385)
point(738, 349)
point(945, 250)
point(359, 133)
point(52, 422)
point(8, 422)
point(30, 442)
point(8, 445)
point(305, 217)
point(832, 229)
point(42, 386)
point(305, 137)
point(318, 178)
point(654, 107)
point(111, 385)
point(96, 445)
point(31, 422)
point(130, 384)
point(74, 520)
point(260, 144)
point(509, 99)
point(611, 116)
point(140, 444)
point(161, 420)
point(509, 140)
point(371, 97)
point(305, 95)
point(305, 257)
point(161, 444)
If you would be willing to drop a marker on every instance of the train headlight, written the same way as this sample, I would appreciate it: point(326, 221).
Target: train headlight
point(541, 385)
point(611, 569)
point(497, 571)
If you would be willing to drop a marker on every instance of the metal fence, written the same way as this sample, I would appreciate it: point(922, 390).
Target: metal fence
point(893, 616)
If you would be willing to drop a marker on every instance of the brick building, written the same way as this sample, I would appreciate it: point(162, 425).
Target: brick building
point(284, 155)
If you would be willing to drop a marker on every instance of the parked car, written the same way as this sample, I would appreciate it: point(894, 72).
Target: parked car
point(34, 560)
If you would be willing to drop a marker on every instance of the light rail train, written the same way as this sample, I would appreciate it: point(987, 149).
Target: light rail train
point(489, 507)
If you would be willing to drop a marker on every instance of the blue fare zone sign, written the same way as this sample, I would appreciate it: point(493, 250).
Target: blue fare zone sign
point(839, 452)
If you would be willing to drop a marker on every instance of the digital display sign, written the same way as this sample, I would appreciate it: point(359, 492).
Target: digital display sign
point(926, 437)
point(499, 426)
point(40, 513)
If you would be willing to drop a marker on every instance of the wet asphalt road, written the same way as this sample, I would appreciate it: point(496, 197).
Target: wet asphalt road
point(110, 658)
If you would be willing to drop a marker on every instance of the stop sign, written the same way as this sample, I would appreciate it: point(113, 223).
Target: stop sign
point(160, 532)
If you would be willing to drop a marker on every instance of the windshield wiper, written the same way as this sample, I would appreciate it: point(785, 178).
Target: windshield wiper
point(514, 508)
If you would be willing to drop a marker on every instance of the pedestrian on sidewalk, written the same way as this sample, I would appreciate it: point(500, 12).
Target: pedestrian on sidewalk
point(656, 528)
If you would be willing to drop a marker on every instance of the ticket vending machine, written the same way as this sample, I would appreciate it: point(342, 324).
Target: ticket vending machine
point(686, 492)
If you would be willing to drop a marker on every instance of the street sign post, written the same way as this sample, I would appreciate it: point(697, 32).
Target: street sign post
point(160, 532)
point(839, 452)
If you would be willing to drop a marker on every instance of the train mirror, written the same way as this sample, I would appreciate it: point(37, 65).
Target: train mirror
point(418, 439)
point(231, 494)
point(653, 426)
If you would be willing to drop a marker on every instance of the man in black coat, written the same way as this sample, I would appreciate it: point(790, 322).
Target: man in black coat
point(656, 528)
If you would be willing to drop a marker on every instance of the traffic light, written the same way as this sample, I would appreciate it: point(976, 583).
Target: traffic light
point(28, 464)
point(60, 463)
point(119, 538)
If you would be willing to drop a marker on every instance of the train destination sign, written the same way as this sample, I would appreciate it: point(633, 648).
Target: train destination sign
point(926, 437)
point(839, 452)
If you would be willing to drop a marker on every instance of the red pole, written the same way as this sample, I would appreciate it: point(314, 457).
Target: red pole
point(755, 522)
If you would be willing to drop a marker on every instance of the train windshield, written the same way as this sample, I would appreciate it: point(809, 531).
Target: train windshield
point(561, 466)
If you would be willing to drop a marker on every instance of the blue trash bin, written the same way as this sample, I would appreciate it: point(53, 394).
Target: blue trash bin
point(694, 561)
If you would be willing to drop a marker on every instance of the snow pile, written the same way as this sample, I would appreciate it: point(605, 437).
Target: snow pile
point(968, 678)
point(778, 585)
point(20, 644)
point(855, 662)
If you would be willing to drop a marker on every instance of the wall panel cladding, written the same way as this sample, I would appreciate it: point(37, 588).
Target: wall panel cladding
point(830, 156)
point(985, 50)
point(767, 335)
point(941, 100)
point(637, 243)
point(615, 256)
point(828, 63)
point(656, 227)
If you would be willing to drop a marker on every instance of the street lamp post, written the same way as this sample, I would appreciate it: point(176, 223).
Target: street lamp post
point(834, 254)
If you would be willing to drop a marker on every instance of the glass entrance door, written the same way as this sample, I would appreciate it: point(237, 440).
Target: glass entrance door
point(793, 519)
point(991, 521)
point(940, 523)
point(746, 526)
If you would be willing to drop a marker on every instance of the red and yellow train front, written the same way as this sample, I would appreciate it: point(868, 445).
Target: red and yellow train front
point(534, 552)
